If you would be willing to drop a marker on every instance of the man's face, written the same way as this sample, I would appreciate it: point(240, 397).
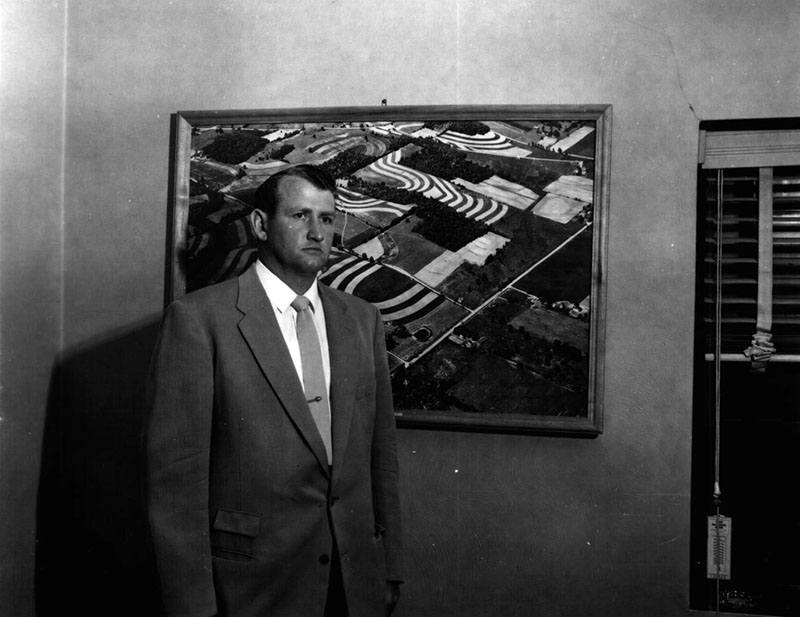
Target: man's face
point(299, 232)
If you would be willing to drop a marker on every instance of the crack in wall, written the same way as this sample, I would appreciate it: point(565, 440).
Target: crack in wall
point(673, 54)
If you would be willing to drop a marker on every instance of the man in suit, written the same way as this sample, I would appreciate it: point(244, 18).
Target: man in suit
point(269, 495)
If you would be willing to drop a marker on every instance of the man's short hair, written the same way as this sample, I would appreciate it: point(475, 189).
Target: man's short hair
point(266, 196)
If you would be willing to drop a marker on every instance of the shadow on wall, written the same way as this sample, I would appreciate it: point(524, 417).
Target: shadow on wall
point(93, 554)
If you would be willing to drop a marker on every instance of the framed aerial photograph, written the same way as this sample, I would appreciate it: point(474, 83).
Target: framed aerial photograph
point(479, 232)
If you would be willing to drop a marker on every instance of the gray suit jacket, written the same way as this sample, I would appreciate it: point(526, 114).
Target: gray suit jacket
point(244, 509)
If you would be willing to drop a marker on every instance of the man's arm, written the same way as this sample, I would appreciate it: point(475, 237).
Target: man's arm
point(385, 471)
point(180, 398)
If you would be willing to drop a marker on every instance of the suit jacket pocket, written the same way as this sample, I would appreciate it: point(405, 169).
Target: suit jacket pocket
point(233, 534)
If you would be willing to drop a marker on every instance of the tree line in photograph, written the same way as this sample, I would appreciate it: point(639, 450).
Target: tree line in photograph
point(431, 157)
point(239, 145)
point(350, 161)
point(281, 151)
point(465, 127)
point(236, 147)
point(444, 226)
point(444, 161)
point(439, 223)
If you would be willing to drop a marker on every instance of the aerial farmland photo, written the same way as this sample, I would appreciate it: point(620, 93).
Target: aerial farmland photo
point(474, 239)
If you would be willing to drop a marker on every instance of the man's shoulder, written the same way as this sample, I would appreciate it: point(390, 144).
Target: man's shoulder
point(217, 294)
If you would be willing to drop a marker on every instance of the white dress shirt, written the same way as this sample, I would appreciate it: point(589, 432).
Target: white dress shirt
point(281, 297)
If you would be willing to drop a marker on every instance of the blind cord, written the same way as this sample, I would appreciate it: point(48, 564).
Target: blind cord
point(718, 335)
point(717, 495)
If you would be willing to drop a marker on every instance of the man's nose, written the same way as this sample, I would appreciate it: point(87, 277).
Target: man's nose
point(315, 230)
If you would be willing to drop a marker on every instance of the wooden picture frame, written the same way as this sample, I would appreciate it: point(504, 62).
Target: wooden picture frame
point(478, 231)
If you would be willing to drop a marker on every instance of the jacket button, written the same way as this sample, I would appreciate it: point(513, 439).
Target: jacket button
point(324, 559)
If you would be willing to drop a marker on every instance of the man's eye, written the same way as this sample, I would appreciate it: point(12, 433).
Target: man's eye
point(299, 215)
point(328, 220)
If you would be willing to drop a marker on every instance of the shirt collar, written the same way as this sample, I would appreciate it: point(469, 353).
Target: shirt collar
point(279, 293)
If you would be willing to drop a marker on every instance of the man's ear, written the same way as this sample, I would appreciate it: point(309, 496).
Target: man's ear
point(258, 224)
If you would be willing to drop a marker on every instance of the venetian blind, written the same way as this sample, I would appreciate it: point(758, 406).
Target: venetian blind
point(750, 194)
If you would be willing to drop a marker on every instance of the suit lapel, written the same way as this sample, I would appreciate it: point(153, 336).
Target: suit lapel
point(263, 335)
point(344, 358)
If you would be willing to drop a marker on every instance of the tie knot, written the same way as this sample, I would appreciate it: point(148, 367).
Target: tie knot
point(301, 303)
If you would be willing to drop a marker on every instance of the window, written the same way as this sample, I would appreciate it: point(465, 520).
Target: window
point(746, 432)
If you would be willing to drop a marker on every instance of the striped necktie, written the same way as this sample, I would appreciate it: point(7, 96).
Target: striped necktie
point(313, 372)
